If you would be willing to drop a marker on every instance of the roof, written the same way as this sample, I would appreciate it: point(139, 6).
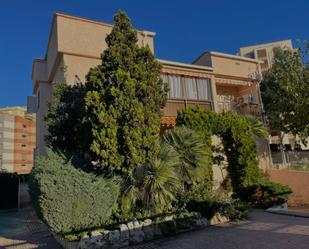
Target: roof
point(230, 56)
point(185, 65)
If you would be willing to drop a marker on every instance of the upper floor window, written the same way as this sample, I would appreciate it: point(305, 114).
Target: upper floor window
point(188, 87)
point(175, 85)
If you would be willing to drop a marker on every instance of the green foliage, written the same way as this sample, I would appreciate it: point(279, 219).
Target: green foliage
point(160, 183)
point(285, 93)
point(152, 188)
point(266, 194)
point(257, 126)
point(208, 202)
point(125, 94)
point(155, 187)
point(195, 164)
point(68, 199)
point(66, 131)
point(237, 139)
point(299, 166)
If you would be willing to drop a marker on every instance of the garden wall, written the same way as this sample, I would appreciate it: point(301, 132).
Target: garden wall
point(297, 180)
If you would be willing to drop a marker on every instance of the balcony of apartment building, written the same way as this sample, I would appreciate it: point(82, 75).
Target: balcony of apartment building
point(241, 99)
point(189, 85)
point(236, 79)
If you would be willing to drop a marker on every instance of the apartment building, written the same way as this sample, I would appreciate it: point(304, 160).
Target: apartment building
point(236, 80)
point(265, 52)
point(214, 81)
point(17, 140)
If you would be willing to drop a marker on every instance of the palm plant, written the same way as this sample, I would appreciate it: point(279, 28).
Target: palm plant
point(160, 181)
point(257, 126)
point(194, 162)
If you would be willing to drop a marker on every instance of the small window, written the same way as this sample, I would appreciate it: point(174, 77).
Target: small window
point(175, 84)
point(24, 136)
point(204, 89)
point(191, 88)
point(24, 126)
point(23, 165)
point(23, 145)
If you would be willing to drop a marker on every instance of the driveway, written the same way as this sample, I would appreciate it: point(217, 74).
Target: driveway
point(262, 231)
point(22, 230)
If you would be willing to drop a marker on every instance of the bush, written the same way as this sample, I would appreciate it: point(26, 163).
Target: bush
point(195, 164)
point(68, 199)
point(237, 138)
point(208, 202)
point(266, 194)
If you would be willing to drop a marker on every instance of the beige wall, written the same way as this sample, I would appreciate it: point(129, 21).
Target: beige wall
point(79, 66)
point(44, 91)
point(234, 67)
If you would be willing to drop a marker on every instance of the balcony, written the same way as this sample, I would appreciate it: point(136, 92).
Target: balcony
point(174, 105)
point(228, 103)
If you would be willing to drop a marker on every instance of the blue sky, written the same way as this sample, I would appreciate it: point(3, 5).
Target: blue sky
point(184, 29)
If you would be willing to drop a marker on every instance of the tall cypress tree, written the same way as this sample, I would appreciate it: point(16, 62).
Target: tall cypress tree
point(124, 100)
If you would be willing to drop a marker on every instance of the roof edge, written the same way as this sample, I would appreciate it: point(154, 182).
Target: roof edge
point(180, 64)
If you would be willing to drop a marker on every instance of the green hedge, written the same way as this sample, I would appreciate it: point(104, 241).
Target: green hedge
point(247, 180)
point(266, 194)
point(237, 138)
point(68, 199)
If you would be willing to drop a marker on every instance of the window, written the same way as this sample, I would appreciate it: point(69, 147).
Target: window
point(24, 136)
point(204, 90)
point(175, 85)
point(24, 126)
point(191, 88)
point(195, 88)
point(23, 145)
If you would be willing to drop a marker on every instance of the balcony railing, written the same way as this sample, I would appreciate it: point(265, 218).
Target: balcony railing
point(243, 108)
point(174, 105)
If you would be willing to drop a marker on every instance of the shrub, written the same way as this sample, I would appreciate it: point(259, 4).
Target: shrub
point(68, 199)
point(209, 202)
point(266, 194)
point(195, 164)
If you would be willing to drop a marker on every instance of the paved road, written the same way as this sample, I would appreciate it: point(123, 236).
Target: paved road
point(23, 230)
point(262, 231)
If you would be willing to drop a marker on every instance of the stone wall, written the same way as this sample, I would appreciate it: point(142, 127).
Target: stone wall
point(136, 232)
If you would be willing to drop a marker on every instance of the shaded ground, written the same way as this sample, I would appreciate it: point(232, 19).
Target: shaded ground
point(21, 229)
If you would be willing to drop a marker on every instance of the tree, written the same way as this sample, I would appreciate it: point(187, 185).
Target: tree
point(66, 131)
point(285, 93)
point(124, 100)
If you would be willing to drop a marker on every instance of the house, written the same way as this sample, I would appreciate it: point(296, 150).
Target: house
point(17, 140)
point(215, 81)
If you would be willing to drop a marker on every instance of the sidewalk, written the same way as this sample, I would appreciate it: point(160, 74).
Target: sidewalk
point(22, 229)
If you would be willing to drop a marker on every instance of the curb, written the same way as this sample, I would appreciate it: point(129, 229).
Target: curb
point(287, 212)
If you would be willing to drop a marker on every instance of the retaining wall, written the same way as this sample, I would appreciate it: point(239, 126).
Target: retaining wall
point(297, 180)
